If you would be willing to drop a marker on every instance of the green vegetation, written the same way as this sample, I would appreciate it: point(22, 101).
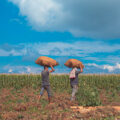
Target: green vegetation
point(90, 86)
point(19, 97)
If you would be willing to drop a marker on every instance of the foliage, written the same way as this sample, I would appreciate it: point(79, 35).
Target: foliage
point(89, 85)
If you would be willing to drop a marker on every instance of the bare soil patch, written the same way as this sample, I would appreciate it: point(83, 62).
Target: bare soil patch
point(25, 105)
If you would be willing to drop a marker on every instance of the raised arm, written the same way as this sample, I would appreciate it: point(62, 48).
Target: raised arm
point(81, 69)
point(52, 69)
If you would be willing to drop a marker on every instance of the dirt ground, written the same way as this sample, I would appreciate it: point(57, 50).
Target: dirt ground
point(24, 105)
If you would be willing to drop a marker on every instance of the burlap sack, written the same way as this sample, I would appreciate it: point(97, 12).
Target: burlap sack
point(46, 61)
point(74, 63)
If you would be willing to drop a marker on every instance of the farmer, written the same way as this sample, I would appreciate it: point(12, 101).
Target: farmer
point(45, 82)
point(74, 81)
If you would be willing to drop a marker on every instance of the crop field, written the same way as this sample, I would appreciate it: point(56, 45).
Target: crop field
point(19, 97)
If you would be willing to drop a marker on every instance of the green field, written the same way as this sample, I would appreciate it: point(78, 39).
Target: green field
point(94, 90)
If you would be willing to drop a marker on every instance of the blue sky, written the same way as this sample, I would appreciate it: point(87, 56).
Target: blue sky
point(87, 30)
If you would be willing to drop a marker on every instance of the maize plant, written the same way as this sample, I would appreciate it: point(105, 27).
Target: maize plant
point(89, 85)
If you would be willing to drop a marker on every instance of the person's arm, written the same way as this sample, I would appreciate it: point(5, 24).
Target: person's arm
point(81, 69)
point(52, 69)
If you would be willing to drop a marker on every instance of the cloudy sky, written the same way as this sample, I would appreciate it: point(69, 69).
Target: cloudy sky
point(88, 30)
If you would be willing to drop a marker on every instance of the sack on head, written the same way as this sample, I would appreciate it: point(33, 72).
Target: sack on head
point(71, 63)
point(46, 61)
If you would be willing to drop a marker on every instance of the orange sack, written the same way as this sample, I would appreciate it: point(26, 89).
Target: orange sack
point(71, 63)
point(46, 61)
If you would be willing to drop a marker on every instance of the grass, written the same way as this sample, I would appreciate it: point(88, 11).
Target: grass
point(90, 88)
point(89, 85)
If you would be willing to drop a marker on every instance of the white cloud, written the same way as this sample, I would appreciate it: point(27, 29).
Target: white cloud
point(13, 52)
point(22, 69)
point(62, 69)
point(28, 69)
point(110, 68)
point(45, 13)
point(84, 50)
point(91, 18)
point(10, 70)
point(80, 49)
point(93, 64)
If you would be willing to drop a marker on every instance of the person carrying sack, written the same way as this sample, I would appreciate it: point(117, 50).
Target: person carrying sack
point(45, 82)
point(74, 81)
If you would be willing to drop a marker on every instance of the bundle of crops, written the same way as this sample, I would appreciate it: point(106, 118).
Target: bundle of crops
point(71, 63)
point(46, 61)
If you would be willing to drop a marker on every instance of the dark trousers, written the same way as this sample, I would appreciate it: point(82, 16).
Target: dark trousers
point(47, 88)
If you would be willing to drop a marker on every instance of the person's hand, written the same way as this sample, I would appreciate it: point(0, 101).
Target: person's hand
point(52, 69)
point(81, 70)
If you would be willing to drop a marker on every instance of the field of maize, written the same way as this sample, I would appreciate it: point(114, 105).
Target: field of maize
point(94, 90)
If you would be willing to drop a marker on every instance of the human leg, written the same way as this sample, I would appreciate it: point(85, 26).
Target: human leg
point(49, 93)
point(74, 91)
point(41, 92)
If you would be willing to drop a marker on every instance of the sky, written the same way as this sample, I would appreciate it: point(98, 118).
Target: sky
point(87, 30)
